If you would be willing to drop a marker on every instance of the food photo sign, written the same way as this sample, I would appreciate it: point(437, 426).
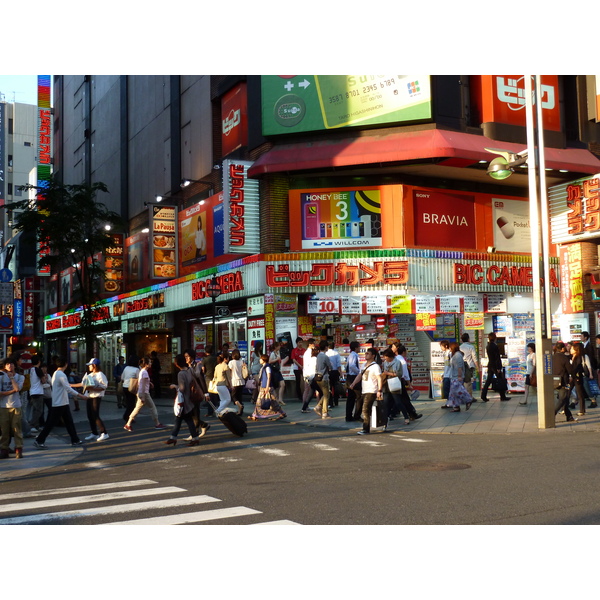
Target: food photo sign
point(164, 242)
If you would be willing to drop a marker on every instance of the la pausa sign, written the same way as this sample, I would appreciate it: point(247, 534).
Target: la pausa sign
point(476, 274)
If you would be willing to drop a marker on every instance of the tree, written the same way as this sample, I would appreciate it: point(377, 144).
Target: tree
point(72, 228)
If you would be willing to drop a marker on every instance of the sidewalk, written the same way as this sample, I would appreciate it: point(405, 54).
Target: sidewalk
point(493, 417)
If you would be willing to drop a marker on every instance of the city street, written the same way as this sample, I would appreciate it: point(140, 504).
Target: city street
point(294, 473)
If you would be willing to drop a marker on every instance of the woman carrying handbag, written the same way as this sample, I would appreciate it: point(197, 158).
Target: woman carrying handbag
point(266, 406)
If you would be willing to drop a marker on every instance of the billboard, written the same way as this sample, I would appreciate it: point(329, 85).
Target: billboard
point(501, 99)
point(337, 218)
point(201, 233)
point(297, 103)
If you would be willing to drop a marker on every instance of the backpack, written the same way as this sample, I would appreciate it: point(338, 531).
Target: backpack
point(196, 393)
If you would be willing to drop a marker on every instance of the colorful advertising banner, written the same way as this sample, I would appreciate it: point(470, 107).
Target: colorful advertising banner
point(345, 218)
point(201, 235)
point(44, 167)
point(164, 241)
point(114, 265)
point(295, 103)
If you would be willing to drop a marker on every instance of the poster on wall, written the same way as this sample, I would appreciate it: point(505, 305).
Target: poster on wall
point(136, 247)
point(512, 231)
point(200, 230)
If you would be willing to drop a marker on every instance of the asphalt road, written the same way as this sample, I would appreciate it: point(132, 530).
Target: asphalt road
point(282, 472)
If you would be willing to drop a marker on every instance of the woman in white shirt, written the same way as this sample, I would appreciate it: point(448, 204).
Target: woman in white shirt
point(529, 370)
point(237, 380)
point(372, 385)
point(94, 385)
point(131, 371)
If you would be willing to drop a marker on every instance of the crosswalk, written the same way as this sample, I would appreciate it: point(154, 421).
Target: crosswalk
point(99, 501)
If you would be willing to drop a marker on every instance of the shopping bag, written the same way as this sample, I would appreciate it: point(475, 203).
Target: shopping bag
point(394, 384)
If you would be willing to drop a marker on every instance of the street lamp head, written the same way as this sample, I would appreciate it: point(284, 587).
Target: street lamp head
point(504, 166)
point(498, 169)
point(213, 289)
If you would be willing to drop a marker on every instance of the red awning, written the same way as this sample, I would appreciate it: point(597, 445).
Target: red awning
point(460, 149)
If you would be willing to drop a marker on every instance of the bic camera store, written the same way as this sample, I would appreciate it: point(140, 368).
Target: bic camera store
point(364, 263)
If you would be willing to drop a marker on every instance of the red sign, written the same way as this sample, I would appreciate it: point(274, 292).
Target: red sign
point(501, 99)
point(476, 274)
point(339, 274)
point(444, 220)
point(230, 282)
point(237, 231)
point(234, 127)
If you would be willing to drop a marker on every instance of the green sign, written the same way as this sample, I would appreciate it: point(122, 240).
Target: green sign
point(297, 103)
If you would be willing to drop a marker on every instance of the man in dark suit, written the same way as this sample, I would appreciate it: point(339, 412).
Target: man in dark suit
point(590, 351)
point(494, 368)
point(561, 368)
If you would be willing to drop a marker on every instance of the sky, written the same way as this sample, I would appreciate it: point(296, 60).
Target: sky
point(19, 88)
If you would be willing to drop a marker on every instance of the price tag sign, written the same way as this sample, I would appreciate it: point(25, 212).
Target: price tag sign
point(323, 307)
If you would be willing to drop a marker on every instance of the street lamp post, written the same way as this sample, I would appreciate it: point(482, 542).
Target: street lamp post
point(501, 168)
point(540, 253)
point(213, 290)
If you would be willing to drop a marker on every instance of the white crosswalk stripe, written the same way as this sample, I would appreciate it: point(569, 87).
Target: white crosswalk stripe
point(41, 500)
point(107, 510)
point(196, 517)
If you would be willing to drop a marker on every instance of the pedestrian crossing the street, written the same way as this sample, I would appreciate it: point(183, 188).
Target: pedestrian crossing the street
point(99, 501)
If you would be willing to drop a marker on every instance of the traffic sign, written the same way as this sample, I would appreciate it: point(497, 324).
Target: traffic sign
point(5, 275)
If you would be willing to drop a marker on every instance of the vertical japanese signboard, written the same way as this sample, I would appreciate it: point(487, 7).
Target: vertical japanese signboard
point(2, 151)
point(44, 166)
point(241, 207)
point(164, 242)
point(575, 210)
point(571, 277)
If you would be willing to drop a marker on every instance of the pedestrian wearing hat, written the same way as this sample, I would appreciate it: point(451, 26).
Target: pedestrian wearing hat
point(94, 386)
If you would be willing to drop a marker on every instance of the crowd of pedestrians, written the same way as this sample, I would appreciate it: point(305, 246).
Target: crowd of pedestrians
point(35, 397)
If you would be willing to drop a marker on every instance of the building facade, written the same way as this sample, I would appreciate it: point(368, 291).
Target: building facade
point(347, 207)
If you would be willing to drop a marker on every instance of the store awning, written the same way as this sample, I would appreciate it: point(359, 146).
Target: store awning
point(452, 148)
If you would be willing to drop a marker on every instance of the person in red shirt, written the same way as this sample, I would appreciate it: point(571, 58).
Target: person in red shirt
point(297, 357)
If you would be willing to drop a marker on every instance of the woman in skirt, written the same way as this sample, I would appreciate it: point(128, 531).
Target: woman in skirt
point(266, 407)
point(458, 394)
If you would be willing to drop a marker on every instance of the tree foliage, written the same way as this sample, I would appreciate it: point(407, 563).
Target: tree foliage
point(69, 223)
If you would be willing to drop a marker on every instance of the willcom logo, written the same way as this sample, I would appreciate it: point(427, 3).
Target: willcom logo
point(512, 92)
